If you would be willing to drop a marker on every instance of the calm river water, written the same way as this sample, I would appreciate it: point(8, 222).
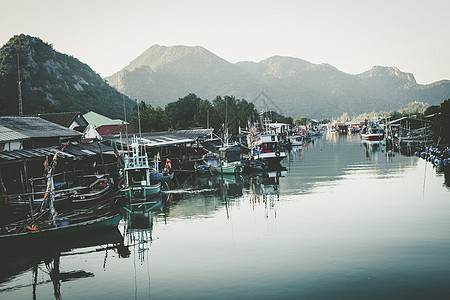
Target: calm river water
point(343, 221)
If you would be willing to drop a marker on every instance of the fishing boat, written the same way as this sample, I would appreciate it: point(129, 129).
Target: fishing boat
point(47, 225)
point(229, 161)
point(266, 147)
point(252, 165)
point(371, 132)
point(93, 188)
point(139, 182)
point(296, 141)
point(164, 175)
point(265, 144)
point(202, 169)
point(25, 234)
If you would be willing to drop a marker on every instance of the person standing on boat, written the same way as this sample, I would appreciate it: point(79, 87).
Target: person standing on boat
point(168, 166)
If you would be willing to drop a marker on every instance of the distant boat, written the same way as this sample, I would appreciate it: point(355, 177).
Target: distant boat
point(296, 141)
point(139, 182)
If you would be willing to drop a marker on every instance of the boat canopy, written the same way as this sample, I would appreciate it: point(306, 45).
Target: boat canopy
point(230, 154)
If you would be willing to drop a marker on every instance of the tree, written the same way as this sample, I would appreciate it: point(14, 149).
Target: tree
point(182, 112)
point(395, 115)
point(205, 114)
point(233, 113)
point(151, 119)
point(301, 121)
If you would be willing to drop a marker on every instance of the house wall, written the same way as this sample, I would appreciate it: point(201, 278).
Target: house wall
point(10, 146)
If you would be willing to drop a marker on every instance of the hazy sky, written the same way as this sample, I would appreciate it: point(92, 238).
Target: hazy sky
point(352, 35)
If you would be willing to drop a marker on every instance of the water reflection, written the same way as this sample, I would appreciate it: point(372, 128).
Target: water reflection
point(372, 149)
point(46, 261)
point(138, 227)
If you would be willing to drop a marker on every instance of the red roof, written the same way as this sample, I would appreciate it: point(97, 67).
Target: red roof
point(110, 129)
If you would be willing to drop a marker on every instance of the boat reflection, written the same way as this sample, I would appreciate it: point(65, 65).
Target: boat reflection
point(139, 223)
point(264, 191)
point(265, 185)
point(371, 148)
point(198, 195)
point(17, 265)
point(228, 185)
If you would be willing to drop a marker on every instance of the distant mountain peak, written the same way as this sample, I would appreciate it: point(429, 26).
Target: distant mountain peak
point(381, 71)
point(285, 66)
point(158, 57)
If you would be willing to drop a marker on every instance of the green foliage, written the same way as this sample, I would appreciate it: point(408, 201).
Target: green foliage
point(276, 117)
point(395, 115)
point(301, 121)
point(192, 111)
point(232, 113)
point(432, 109)
point(53, 82)
point(182, 112)
point(151, 119)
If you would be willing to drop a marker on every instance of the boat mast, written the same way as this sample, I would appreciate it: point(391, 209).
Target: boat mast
point(125, 115)
point(226, 121)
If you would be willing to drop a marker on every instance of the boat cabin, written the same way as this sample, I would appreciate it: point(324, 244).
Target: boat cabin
point(267, 143)
point(230, 154)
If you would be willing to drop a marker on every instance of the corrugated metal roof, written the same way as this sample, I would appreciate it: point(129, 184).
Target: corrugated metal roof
point(87, 149)
point(8, 156)
point(9, 135)
point(35, 127)
point(166, 138)
point(70, 151)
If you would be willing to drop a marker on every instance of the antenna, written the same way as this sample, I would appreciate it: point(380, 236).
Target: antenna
point(125, 115)
point(265, 100)
point(139, 119)
point(20, 86)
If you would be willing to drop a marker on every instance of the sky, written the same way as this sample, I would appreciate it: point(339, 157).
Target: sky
point(351, 35)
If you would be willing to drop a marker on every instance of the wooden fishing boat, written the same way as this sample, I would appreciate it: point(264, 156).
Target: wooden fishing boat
point(139, 182)
point(163, 177)
point(255, 166)
point(46, 225)
point(95, 188)
point(20, 234)
point(202, 169)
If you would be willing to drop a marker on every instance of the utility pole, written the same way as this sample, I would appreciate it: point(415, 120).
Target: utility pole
point(20, 86)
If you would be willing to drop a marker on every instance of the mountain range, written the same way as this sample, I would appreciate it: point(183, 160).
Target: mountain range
point(53, 82)
point(296, 87)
